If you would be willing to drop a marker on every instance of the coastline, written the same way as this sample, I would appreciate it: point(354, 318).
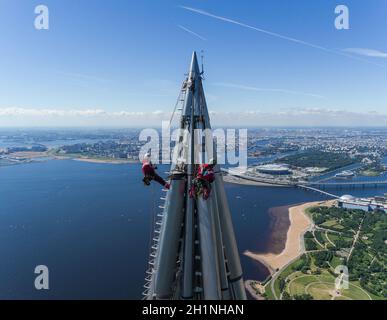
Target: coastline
point(255, 289)
point(107, 161)
point(27, 156)
point(294, 247)
point(279, 226)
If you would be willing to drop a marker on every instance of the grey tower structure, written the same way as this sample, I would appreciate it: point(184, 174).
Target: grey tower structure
point(194, 254)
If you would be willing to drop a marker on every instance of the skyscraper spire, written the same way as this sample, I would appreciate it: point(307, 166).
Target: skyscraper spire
point(194, 253)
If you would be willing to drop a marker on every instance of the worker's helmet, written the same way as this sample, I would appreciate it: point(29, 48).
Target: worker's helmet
point(147, 158)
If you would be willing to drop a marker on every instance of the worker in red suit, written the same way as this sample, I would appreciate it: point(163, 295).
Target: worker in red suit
point(149, 171)
point(205, 176)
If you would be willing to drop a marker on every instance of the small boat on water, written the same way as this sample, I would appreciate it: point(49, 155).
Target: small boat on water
point(345, 175)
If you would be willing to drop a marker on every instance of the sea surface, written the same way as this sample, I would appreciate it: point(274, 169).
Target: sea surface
point(90, 224)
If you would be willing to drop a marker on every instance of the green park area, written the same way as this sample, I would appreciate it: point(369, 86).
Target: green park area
point(341, 238)
point(316, 158)
point(373, 170)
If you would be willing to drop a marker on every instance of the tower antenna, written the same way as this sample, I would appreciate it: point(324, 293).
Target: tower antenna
point(202, 58)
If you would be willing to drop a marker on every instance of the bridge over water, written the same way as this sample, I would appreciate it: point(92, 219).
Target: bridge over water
point(348, 183)
point(317, 190)
point(311, 186)
point(314, 184)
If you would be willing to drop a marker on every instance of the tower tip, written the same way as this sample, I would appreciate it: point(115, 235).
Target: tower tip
point(194, 69)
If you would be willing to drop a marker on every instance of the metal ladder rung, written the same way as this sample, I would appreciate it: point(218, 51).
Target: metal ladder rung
point(155, 247)
point(148, 278)
point(145, 293)
point(162, 198)
point(159, 223)
point(160, 215)
point(157, 239)
point(158, 231)
point(162, 207)
point(153, 255)
point(151, 262)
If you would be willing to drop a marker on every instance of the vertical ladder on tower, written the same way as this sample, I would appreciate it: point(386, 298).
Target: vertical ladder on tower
point(154, 246)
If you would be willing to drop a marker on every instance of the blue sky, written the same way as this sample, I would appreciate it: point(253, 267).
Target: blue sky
point(122, 62)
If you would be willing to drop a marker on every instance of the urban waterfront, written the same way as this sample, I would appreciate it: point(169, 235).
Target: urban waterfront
point(91, 223)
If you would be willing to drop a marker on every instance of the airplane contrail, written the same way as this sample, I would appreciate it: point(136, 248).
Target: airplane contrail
point(250, 88)
point(367, 52)
point(191, 32)
point(277, 35)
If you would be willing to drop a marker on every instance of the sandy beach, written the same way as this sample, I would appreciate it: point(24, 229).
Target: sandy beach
point(299, 224)
point(28, 154)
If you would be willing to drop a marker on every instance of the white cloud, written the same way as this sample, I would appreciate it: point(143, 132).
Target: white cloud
point(304, 117)
point(19, 117)
point(17, 112)
point(367, 52)
point(70, 113)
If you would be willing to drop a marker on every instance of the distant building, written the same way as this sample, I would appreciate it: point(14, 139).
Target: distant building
point(365, 204)
point(345, 175)
point(274, 169)
point(367, 161)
